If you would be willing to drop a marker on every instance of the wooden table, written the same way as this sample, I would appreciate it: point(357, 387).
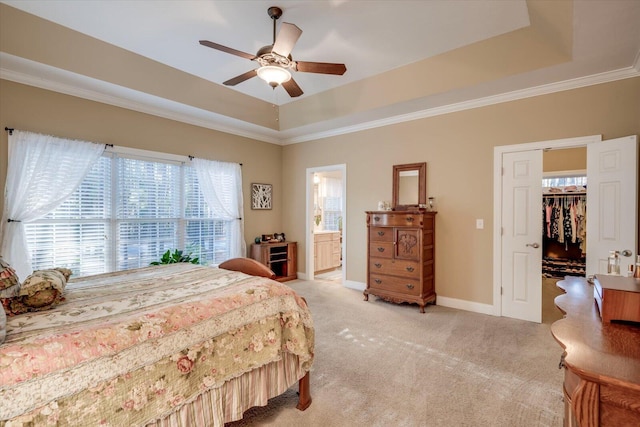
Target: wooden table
point(601, 361)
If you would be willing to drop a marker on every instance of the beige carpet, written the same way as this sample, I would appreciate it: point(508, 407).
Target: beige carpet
point(382, 364)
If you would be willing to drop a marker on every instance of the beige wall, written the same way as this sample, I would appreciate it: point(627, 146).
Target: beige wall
point(37, 110)
point(570, 159)
point(458, 149)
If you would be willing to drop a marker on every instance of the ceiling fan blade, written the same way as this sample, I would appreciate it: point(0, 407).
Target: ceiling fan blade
point(242, 77)
point(287, 38)
point(219, 47)
point(320, 67)
point(292, 88)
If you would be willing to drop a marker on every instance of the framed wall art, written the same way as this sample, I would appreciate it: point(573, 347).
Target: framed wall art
point(261, 195)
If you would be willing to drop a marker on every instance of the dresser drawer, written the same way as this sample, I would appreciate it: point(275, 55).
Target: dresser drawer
point(380, 234)
point(381, 249)
point(395, 219)
point(395, 284)
point(408, 269)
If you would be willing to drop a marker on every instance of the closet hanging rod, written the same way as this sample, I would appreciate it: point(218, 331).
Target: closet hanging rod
point(577, 193)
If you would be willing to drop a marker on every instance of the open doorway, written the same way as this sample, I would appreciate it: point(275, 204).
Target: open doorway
point(326, 219)
point(612, 169)
point(564, 201)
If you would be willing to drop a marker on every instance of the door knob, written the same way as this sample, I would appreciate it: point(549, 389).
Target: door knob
point(533, 245)
point(626, 252)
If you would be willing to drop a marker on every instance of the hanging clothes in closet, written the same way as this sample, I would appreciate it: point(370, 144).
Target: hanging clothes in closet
point(565, 218)
point(564, 223)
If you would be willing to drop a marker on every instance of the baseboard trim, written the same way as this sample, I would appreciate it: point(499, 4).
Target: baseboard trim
point(352, 284)
point(465, 305)
point(459, 304)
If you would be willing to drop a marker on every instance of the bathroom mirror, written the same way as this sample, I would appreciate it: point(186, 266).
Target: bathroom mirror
point(409, 186)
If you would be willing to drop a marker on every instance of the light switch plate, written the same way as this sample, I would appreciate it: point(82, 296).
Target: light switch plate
point(479, 224)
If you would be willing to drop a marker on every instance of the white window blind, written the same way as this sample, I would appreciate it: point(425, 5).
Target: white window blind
point(75, 235)
point(331, 201)
point(147, 211)
point(126, 214)
point(206, 237)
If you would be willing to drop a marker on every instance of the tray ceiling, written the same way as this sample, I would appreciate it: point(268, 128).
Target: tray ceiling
point(405, 59)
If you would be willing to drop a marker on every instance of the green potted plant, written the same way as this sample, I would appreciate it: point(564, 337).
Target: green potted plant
point(177, 256)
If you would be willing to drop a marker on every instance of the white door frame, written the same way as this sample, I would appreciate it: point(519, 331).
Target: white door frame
point(309, 218)
point(497, 199)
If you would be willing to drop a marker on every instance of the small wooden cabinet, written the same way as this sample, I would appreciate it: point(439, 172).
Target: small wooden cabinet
point(327, 250)
point(280, 257)
point(401, 256)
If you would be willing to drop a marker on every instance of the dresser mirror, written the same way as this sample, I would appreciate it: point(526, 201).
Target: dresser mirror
point(409, 186)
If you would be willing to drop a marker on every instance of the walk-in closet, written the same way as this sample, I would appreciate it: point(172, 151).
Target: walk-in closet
point(563, 228)
point(564, 243)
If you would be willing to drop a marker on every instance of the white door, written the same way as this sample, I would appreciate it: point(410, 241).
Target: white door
point(612, 201)
point(521, 239)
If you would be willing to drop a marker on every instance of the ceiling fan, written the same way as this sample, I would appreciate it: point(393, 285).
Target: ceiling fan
point(275, 59)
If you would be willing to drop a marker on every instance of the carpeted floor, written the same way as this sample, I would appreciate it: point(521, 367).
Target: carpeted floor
point(383, 364)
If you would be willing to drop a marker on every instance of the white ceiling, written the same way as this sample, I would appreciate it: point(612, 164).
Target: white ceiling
point(370, 37)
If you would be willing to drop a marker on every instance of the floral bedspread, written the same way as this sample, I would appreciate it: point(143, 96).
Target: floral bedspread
point(128, 347)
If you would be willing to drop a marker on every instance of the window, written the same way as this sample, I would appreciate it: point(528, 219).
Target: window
point(330, 203)
point(564, 181)
point(76, 234)
point(332, 213)
point(126, 213)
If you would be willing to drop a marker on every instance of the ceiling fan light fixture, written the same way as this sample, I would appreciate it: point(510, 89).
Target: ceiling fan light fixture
point(274, 75)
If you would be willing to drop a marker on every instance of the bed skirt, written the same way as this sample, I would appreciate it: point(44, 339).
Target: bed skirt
point(228, 402)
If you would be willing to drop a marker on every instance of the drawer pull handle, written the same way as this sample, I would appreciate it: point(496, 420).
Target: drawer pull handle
point(380, 249)
point(410, 269)
point(380, 233)
point(409, 219)
point(377, 264)
point(409, 286)
point(378, 281)
point(376, 218)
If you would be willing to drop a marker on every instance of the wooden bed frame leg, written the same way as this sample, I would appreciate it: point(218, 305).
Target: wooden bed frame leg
point(304, 392)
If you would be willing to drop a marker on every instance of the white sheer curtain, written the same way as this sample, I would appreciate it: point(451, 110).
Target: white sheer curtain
point(221, 184)
point(331, 187)
point(42, 172)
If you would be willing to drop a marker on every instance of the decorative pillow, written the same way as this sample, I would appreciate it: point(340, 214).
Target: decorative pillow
point(248, 266)
point(9, 284)
point(40, 291)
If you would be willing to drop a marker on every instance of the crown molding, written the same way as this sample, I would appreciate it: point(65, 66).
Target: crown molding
point(546, 89)
point(33, 74)
point(147, 104)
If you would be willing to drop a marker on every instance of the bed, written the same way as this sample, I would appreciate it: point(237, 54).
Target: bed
point(168, 345)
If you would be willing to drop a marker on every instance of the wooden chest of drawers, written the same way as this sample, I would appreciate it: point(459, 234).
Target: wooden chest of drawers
point(401, 257)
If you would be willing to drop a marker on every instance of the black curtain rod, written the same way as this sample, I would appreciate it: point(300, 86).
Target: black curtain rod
point(193, 157)
point(10, 130)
